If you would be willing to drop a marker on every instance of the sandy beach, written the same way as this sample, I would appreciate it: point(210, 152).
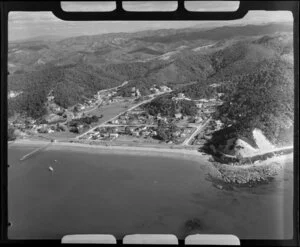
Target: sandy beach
point(127, 150)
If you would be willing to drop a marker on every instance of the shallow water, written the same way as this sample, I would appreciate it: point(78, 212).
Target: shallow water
point(125, 194)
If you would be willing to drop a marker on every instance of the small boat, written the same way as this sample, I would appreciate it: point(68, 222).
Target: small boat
point(50, 168)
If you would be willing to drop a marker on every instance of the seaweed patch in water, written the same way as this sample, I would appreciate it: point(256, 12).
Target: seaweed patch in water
point(193, 225)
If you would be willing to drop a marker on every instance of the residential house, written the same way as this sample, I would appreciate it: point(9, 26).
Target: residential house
point(81, 107)
point(146, 133)
point(134, 122)
point(154, 133)
point(180, 96)
point(176, 133)
point(114, 135)
point(50, 98)
point(165, 89)
point(178, 115)
point(80, 127)
point(198, 120)
point(203, 100)
point(116, 121)
point(182, 135)
point(199, 105)
point(136, 133)
point(105, 134)
point(215, 85)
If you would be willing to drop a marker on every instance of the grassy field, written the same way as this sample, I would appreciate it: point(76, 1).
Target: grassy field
point(109, 111)
point(60, 136)
point(139, 140)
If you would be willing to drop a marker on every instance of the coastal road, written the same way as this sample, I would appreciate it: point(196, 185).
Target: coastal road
point(198, 129)
point(130, 109)
point(262, 153)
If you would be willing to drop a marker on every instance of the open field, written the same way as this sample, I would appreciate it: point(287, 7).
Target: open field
point(109, 111)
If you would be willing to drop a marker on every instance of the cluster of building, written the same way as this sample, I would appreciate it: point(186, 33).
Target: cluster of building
point(160, 89)
point(111, 133)
point(34, 127)
point(180, 135)
point(134, 117)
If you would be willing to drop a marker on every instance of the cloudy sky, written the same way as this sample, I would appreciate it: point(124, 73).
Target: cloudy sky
point(25, 25)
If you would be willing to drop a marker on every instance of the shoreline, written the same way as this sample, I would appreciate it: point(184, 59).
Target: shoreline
point(122, 150)
point(220, 174)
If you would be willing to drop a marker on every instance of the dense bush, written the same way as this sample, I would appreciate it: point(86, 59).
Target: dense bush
point(199, 90)
point(263, 100)
point(165, 106)
point(70, 84)
point(83, 121)
point(165, 131)
point(11, 134)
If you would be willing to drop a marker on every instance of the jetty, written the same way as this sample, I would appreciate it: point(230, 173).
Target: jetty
point(26, 156)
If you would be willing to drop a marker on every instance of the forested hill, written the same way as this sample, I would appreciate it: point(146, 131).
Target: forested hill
point(77, 67)
point(69, 84)
point(220, 33)
point(263, 99)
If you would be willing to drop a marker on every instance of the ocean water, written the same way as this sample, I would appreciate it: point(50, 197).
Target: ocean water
point(100, 193)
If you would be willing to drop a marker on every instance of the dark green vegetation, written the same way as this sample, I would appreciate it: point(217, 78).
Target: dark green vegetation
point(165, 106)
point(200, 90)
point(194, 224)
point(263, 100)
point(83, 121)
point(70, 84)
point(165, 131)
point(11, 134)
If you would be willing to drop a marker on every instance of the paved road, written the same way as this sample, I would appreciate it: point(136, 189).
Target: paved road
point(262, 153)
point(130, 125)
point(127, 110)
point(198, 129)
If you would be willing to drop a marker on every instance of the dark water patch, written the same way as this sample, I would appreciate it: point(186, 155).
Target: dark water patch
point(235, 202)
point(192, 226)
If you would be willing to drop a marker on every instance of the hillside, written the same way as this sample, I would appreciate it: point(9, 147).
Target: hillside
point(261, 100)
point(76, 68)
point(70, 85)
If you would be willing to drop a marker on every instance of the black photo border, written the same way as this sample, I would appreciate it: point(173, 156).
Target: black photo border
point(119, 14)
